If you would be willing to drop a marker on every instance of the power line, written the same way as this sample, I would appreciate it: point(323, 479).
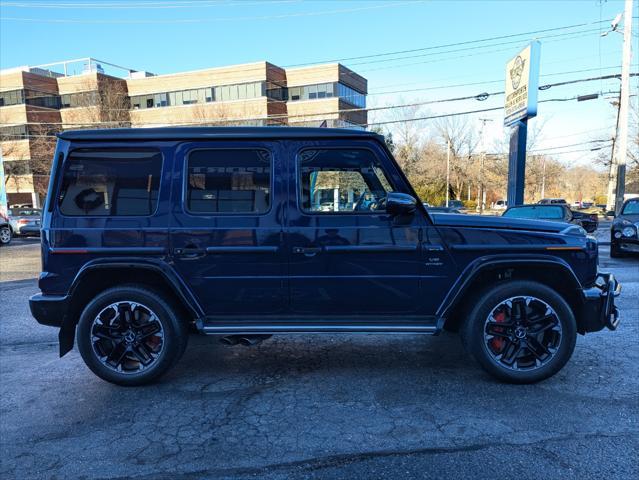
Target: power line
point(456, 44)
point(378, 60)
point(312, 116)
point(207, 20)
point(487, 82)
point(571, 145)
point(138, 5)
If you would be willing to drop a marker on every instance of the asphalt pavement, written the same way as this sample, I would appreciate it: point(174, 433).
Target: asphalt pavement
point(305, 406)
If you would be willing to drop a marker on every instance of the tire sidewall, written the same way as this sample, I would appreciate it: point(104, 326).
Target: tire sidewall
point(8, 230)
point(173, 341)
point(473, 331)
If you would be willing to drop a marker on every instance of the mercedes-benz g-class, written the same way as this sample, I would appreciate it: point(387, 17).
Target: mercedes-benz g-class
point(245, 232)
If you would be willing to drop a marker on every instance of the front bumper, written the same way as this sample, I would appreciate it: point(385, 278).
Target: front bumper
point(599, 308)
point(627, 244)
point(49, 309)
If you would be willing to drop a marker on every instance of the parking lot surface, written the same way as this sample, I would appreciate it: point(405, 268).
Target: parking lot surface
point(303, 406)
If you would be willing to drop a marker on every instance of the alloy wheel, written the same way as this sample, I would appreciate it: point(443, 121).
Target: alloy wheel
point(522, 333)
point(5, 235)
point(127, 337)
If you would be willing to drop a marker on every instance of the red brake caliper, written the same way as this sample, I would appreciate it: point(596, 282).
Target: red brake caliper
point(497, 343)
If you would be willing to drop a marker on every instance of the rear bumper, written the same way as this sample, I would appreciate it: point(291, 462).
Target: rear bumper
point(599, 308)
point(28, 231)
point(49, 309)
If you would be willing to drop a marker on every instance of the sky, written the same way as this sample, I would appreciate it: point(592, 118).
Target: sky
point(165, 36)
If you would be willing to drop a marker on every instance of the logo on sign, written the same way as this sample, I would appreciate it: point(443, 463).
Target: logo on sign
point(516, 71)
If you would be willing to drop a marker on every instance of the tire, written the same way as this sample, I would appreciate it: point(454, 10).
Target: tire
point(5, 235)
point(138, 350)
point(614, 250)
point(552, 333)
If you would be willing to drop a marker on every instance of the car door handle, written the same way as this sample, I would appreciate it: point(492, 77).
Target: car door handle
point(190, 252)
point(307, 251)
point(433, 248)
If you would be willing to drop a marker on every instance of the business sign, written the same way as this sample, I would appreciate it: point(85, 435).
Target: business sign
point(522, 84)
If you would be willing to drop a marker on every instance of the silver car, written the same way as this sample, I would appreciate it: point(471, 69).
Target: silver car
point(25, 221)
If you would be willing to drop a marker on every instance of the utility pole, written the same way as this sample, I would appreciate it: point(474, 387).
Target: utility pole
point(447, 171)
point(617, 177)
point(543, 176)
point(482, 191)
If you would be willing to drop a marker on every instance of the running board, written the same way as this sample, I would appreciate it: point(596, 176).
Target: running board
point(225, 328)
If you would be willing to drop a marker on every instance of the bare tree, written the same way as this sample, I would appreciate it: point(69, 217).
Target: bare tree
point(461, 135)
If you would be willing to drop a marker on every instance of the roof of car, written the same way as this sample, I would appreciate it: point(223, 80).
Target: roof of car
point(189, 133)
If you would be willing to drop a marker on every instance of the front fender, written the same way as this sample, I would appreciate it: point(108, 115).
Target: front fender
point(500, 262)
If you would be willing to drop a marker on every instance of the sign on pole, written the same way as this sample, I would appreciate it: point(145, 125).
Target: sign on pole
point(522, 84)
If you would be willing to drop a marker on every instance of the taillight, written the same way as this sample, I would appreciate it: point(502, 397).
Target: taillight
point(23, 221)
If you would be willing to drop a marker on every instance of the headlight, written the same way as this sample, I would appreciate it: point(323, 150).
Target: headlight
point(628, 232)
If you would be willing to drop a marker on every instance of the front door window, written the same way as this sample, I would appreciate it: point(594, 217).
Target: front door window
point(342, 181)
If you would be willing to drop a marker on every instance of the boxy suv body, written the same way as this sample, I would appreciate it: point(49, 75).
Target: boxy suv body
point(248, 232)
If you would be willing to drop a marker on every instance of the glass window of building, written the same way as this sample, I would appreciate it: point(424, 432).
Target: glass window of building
point(11, 97)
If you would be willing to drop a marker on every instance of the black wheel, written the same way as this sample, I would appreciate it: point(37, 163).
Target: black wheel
point(5, 235)
point(614, 250)
point(130, 336)
point(520, 331)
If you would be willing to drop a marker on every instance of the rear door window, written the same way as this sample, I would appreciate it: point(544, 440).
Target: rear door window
point(229, 181)
point(111, 182)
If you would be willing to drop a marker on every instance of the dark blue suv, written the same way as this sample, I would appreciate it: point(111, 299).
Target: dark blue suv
point(247, 232)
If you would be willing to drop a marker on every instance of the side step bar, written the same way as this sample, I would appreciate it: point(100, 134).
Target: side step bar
point(235, 328)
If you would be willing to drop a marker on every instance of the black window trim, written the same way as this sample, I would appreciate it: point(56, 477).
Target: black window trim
point(67, 158)
point(185, 183)
point(298, 189)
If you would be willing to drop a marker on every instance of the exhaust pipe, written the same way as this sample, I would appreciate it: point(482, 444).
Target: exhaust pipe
point(251, 340)
point(246, 340)
point(230, 340)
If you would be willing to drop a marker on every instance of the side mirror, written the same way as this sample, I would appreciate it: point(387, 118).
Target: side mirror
point(398, 204)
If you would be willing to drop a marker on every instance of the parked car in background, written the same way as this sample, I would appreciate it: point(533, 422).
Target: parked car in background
point(624, 232)
point(443, 210)
point(552, 201)
point(556, 213)
point(5, 230)
point(25, 222)
point(500, 205)
point(453, 204)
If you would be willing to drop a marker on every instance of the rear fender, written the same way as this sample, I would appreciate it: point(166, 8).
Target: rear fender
point(171, 279)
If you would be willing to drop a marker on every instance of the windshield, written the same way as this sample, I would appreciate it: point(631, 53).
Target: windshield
point(25, 212)
point(631, 208)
